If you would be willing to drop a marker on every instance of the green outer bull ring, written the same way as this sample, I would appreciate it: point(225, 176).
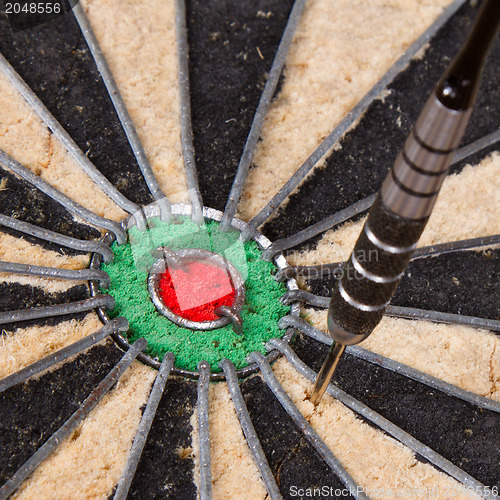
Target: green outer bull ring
point(153, 210)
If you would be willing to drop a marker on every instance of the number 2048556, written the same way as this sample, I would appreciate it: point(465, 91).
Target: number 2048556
point(33, 8)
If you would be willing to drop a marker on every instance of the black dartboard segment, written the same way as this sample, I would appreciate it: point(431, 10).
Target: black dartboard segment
point(23, 201)
point(466, 283)
point(231, 47)
point(54, 60)
point(166, 468)
point(369, 150)
point(31, 412)
point(15, 296)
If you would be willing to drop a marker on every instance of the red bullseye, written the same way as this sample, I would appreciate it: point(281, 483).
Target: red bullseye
point(196, 290)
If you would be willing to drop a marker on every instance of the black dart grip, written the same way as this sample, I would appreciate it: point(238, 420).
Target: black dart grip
point(372, 274)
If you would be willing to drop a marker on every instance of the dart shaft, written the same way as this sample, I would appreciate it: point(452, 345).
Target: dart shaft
point(406, 199)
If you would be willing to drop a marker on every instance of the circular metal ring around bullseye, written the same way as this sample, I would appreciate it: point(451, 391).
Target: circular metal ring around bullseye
point(187, 256)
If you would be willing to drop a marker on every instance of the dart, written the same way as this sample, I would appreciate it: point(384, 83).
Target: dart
point(405, 202)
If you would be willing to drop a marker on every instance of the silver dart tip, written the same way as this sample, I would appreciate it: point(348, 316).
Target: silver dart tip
point(326, 372)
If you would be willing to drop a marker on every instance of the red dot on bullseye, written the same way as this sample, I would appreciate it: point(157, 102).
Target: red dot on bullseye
point(196, 290)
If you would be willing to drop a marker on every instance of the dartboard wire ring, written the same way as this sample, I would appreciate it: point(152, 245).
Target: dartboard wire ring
point(153, 210)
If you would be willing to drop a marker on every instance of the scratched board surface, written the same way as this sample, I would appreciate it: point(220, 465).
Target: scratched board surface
point(232, 46)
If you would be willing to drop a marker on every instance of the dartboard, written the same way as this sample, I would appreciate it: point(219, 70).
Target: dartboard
point(181, 182)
